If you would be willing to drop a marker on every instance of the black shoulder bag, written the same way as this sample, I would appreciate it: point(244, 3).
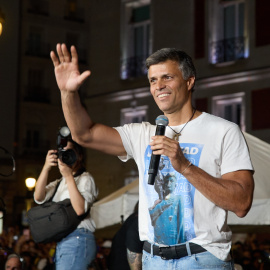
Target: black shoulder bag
point(52, 221)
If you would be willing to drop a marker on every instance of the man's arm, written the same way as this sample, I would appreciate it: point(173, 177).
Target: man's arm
point(84, 131)
point(134, 260)
point(233, 191)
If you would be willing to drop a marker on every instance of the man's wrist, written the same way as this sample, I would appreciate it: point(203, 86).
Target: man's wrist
point(189, 164)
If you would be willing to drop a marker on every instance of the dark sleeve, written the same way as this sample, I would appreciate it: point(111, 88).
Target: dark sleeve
point(133, 242)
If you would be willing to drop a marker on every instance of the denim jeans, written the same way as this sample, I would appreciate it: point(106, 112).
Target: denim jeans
point(204, 260)
point(76, 251)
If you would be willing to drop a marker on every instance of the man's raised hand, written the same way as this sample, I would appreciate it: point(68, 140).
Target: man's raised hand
point(66, 68)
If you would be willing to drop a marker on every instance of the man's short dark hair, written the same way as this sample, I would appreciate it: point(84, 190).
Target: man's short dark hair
point(183, 59)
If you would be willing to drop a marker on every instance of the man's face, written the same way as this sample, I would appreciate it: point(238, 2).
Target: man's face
point(13, 264)
point(170, 91)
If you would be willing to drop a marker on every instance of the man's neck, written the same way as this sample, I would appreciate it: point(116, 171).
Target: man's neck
point(182, 117)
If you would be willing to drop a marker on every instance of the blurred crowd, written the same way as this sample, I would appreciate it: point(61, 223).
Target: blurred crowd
point(34, 256)
point(251, 252)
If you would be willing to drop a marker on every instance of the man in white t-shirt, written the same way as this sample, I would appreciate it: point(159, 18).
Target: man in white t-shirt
point(206, 167)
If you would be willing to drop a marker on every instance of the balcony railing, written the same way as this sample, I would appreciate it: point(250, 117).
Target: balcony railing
point(133, 67)
point(227, 50)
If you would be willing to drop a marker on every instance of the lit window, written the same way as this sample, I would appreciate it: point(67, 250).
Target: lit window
point(230, 107)
point(228, 41)
point(136, 42)
point(134, 115)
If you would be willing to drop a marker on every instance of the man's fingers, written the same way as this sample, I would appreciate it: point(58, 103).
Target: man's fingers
point(162, 145)
point(63, 55)
point(65, 52)
point(55, 59)
point(162, 141)
point(74, 55)
point(60, 53)
point(84, 76)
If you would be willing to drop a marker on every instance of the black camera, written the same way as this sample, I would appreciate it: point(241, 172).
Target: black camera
point(68, 156)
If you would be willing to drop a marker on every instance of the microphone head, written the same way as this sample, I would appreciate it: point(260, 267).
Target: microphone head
point(162, 120)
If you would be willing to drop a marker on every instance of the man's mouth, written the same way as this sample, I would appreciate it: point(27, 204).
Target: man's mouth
point(163, 95)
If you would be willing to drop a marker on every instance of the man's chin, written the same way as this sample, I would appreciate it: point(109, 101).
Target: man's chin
point(166, 111)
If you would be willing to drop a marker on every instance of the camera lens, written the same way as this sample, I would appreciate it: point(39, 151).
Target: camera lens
point(68, 156)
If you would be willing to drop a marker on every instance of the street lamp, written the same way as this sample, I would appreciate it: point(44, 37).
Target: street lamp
point(2, 19)
point(30, 183)
point(2, 213)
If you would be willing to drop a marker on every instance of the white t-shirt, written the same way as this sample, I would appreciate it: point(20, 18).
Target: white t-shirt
point(172, 211)
point(86, 186)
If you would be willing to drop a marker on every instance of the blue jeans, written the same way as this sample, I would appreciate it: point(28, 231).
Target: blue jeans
point(76, 251)
point(204, 260)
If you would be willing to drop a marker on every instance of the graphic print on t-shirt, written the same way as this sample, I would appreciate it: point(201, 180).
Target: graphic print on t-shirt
point(171, 199)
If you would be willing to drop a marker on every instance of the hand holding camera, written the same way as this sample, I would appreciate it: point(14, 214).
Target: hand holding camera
point(67, 156)
point(51, 159)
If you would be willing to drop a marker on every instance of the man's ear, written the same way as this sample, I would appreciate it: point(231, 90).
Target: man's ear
point(190, 82)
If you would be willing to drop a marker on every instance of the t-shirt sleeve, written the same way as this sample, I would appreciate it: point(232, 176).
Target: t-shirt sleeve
point(87, 188)
point(235, 152)
point(124, 133)
point(135, 138)
point(49, 189)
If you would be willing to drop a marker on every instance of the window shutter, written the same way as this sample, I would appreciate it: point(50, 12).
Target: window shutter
point(260, 109)
point(199, 28)
point(262, 21)
point(201, 104)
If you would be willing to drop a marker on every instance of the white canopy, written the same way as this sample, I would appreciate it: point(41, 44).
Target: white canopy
point(259, 213)
point(109, 210)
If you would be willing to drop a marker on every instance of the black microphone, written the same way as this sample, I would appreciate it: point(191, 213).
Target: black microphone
point(161, 122)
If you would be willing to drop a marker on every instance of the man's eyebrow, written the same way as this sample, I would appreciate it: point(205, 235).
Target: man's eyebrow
point(162, 76)
point(152, 77)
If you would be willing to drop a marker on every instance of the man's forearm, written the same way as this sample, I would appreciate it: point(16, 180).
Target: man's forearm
point(73, 110)
point(134, 260)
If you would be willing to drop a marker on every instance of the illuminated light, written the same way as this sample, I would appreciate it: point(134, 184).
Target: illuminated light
point(30, 183)
point(2, 19)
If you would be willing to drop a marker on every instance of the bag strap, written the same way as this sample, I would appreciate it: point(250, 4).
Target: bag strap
point(55, 190)
point(81, 217)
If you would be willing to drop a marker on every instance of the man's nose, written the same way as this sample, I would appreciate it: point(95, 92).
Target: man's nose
point(160, 85)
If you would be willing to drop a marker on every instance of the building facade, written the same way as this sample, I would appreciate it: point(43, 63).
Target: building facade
point(227, 40)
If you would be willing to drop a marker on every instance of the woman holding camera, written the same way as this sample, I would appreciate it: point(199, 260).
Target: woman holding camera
point(78, 249)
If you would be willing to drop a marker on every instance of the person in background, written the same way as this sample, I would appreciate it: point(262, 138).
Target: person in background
point(126, 251)
point(207, 156)
point(78, 249)
point(13, 262)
